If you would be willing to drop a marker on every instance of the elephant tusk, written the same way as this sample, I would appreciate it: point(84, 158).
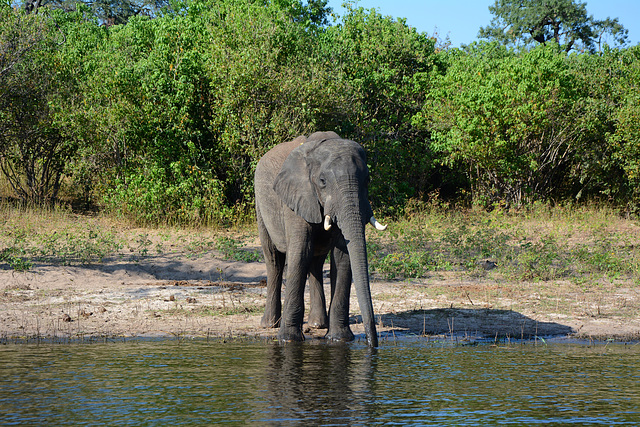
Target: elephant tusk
point(327, 222)
point(377, 225)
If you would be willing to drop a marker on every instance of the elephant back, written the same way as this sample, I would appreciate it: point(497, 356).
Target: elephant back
point(270, 164)
point(317, 136)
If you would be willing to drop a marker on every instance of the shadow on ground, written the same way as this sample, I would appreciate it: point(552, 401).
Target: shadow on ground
point(487, 323)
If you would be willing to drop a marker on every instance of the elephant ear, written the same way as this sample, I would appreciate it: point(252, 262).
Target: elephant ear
point(293, 185)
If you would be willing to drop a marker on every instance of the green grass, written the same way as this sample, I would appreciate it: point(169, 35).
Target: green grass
point(52, 235)
point(234, 249)
point(210, 311)
point(55, 235)
point(540, 243)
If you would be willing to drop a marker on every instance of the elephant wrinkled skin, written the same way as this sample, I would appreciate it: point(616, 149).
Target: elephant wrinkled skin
point(311, 200)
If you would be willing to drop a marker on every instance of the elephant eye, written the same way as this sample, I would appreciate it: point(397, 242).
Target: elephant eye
point(323, 181)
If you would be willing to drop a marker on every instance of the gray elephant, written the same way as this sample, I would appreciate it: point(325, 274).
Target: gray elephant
point(311, 199)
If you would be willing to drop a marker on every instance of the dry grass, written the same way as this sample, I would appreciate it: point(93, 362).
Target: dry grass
point(563, 265)
point(58, 235)
point(579, 244)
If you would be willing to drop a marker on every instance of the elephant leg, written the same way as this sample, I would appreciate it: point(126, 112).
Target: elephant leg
point(339, 329)
point(274, 261)
point(273, 306)
point(318, 312)
point(298, 264)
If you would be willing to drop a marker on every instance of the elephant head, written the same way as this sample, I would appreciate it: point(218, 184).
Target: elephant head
point(325, 180)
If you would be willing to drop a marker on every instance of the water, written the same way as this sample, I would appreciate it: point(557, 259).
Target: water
point(403, 383)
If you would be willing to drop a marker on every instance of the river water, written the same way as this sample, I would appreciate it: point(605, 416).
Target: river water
point(404, 382)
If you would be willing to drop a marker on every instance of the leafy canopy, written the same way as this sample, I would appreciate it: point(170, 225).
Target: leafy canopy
point(528, 22)
point(107, 12)
point(512, 121)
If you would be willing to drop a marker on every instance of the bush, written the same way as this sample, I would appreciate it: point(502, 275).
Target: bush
point(164, 119)
point(512, 122)
point(182, 195)
point(209, 87)
point(385, 67)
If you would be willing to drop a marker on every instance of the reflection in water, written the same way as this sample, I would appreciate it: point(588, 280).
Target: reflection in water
point(325, 383)
point(317, 383)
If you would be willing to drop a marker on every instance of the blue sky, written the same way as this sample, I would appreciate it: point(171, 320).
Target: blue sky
point(460, 20)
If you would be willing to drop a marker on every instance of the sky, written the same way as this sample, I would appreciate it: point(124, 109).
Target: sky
point(460, 20)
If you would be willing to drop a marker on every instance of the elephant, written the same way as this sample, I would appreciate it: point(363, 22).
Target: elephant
point(311, 197)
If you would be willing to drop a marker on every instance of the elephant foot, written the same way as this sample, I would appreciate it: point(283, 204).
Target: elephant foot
point(340, 334)
point(318, 321)
point(270, 321)
point(290, 333)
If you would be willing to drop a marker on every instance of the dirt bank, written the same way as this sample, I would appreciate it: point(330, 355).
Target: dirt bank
point(179, 295)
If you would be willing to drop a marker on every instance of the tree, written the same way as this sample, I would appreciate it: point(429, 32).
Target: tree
point(564, 21)
point(107, 12)
point(183, 105)
point(314, 12)
point(515, 123)
point(33, 148)
point(624, 142)
point(19, 35)
point(385, 68)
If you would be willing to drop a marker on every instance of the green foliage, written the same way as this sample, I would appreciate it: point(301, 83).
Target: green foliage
point(539, 259)
point(106, 12)
point(163, 119)
point(400, 264)
point(565, 22)
point(184, 195)
point(67, 246)
point(34, 146)
point(71, 247)
point(624, 139)
point(514, 123)
point(380, 62)
point(312, 13)
point(206, 88)
point(234, 250)
point(15, 258)
point(211, 87)
point(542, 244)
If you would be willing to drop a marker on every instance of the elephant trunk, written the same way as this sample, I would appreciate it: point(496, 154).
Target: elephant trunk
point(352, 226)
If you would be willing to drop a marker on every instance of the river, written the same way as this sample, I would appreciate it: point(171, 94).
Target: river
point(403, 382)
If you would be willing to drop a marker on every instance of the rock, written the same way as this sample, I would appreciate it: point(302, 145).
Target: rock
point(84, 313)
point(488, 265)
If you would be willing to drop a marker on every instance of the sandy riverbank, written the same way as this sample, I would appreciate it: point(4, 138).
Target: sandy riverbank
point(177, 295)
